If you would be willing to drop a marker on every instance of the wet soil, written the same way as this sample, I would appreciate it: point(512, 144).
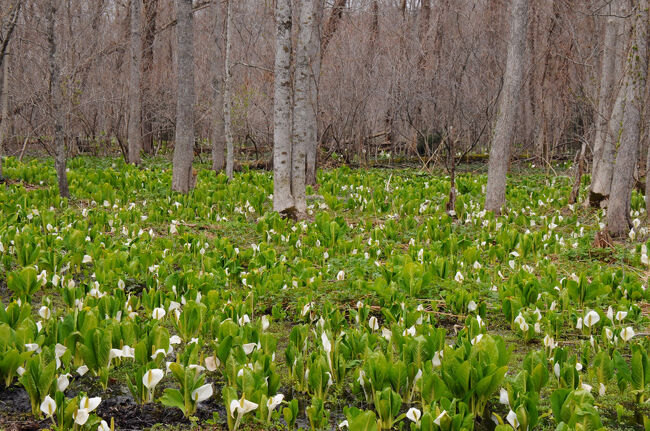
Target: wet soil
point(16, 411)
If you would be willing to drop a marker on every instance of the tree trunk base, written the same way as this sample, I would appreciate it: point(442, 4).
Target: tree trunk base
point(602, 240)
point(293, 213)
point(597, 200)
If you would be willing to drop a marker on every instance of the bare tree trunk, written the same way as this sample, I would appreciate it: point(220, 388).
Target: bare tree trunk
point(4, 119)
point(332, 24)
point(647, 178)
point(314, 55)
point(423, 33)
point(282, 121)
point(227, 97)
point(601, 182)
point(183, 177)
point(618, 211)
point(5, 36)
point(56, 95)
point(7, 30)
point(604, 145)
point(135, 96)
point(303, 120)
point(218, 130)
point(579, 164)
point(149, 37)
point(495, 197)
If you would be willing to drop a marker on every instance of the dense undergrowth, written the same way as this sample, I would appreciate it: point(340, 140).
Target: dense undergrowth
point(136, 306)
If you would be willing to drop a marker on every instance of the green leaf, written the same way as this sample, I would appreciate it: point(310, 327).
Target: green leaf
point(173, 398)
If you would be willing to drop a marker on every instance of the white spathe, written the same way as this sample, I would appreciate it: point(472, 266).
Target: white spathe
point(327, 345)
point(440, 416)
point(48, 406)
point(212, 363)
point(158, 313)
point(627, 333)
point(373, 323)
point(202, 393)
point(81, 416)
point(414, 414)
point(274, 401)
point(152, 377)
point(62, 382)
point(503, 397)
point(241, 406)
point(89, 404)
point(512, 419)
point(591, 318)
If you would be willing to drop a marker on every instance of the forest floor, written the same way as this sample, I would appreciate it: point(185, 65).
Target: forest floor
point(377, 243)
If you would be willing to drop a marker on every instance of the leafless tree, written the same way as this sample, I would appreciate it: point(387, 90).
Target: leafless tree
point(283, 201)
point(315, 59)
point(148, 39)
point(8, 19)
point(4, 109)
point(609, 117)
point(219, 132)
point(495, 197)
point(183, 176)
point(227, 95)
point(304, 118)
point(135, 85)
point(56, 100)
point(618, 210)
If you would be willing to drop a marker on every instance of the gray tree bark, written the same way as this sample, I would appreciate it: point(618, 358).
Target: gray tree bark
point(608, 116)
point(227, 97)
point(303, 117)
point(4, 101)
point(149, 37)
point(218, 130)
point(495, 197)
point(282, 120)
point(56, 101)
point(6, 30)
point(135, 89)
point(183, 177)
point(601, 182)
point(618, 211)
point(332, 24)
point(314, 54)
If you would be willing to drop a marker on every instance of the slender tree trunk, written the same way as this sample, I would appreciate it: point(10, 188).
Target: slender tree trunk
point(56, 96)
point(541, 106)
point(7, 31)
point(183, 177)
point(332, 24)
point(149, 37)
point(218, 130)
point(647, 178)
point(135, 96)
point(604, 146)
point(618, 211)
point(282, 121)
point(423, 34)
point(504, 131)
point(4, 119)
point(5, 38)
point(227, 97)
point(314, 55)
point(303, 119)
